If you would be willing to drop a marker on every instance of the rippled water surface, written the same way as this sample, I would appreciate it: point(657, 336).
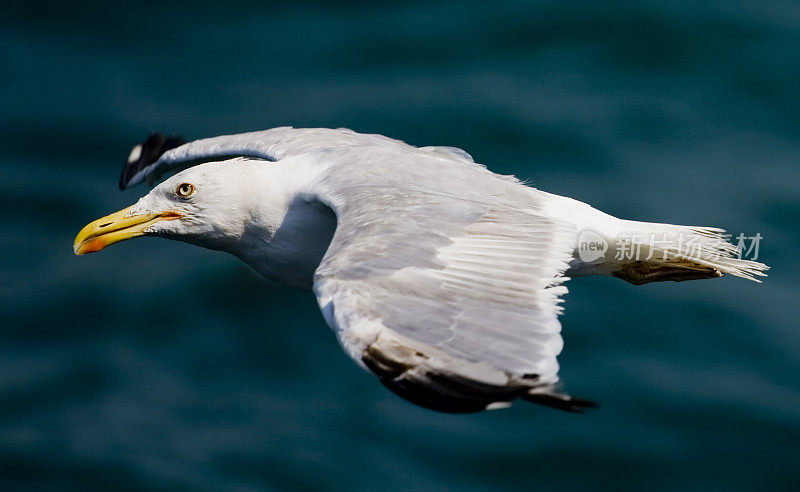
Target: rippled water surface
point(158, 365)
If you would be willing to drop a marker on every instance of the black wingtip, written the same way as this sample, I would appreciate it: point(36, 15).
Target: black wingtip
point(146, 153)
point(561, 402)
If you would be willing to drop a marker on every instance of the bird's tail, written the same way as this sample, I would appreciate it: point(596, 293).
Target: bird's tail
point(642, 252)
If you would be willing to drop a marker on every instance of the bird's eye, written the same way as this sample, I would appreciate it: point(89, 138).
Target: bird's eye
point(184, 190)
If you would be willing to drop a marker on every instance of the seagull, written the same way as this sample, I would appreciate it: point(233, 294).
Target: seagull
point(437, 275)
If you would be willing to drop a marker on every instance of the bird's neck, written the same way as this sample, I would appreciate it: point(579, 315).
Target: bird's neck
point(293, 251)
point(290, 229)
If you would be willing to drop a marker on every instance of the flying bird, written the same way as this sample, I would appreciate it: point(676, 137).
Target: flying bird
point(437, 275)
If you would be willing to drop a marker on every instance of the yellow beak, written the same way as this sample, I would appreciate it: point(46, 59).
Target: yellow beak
point(114, 228)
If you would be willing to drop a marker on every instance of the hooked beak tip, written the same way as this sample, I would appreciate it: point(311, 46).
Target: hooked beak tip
point(114, 228)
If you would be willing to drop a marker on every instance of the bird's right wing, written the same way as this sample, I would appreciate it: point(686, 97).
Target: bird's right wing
point(160, 155)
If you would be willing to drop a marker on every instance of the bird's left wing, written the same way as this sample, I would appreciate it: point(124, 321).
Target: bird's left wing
point(451, 301)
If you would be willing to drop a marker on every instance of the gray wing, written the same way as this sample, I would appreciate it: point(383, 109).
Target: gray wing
point(160, 155)
point(450, 295)
point(151, 160)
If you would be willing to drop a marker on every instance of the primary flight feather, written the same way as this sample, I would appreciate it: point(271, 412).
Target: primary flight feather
point(436, 274)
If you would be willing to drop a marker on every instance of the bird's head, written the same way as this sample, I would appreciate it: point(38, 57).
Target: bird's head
point(207, 205)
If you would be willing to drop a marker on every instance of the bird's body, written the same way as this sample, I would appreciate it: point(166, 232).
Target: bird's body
point(436, 274)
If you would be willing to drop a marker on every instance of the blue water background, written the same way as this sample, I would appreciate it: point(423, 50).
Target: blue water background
point(158, 365)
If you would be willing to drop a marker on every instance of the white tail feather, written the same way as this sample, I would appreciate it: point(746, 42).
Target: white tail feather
point(642, 252)
point(685, 247)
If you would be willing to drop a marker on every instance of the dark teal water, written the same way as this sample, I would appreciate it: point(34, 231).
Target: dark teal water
point(158, 365)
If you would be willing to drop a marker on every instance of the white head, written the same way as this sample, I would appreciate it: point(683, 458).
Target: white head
point(248, 207)
point(210, 205)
